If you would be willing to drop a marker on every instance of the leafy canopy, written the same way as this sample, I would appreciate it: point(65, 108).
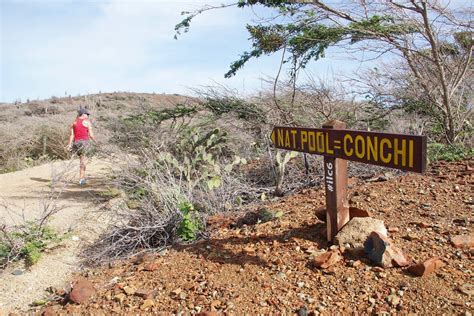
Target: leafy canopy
point(305, 33)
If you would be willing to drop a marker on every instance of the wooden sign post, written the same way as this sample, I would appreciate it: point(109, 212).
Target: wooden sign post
point(337, 145)
point(335, 176)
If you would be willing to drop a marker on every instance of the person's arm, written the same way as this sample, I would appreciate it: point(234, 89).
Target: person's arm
point(71, 138)
point(88, 124)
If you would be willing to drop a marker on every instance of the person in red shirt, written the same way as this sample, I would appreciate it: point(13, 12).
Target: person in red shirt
point(79, 141)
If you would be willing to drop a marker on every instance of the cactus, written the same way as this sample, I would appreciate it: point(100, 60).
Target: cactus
point(280, 167)
point(195, 159)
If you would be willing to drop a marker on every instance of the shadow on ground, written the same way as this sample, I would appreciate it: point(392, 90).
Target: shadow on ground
point(40, 180)
point(224, 250)
point(90, 192)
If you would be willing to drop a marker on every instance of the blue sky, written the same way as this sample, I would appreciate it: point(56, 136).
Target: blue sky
point(57, 47)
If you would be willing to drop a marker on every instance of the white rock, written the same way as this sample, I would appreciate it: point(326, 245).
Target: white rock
point(356, 231)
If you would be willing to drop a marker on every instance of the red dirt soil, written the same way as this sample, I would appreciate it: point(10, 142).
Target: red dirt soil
point(266, 267)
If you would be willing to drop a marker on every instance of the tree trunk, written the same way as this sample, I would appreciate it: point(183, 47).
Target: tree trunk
point(449, 125)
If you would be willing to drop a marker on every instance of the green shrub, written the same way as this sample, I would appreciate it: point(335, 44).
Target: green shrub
point(139, 192)
point(4, 251)
point(136, 131)
point(26, 242)
point(437, 151)
point(32, 252)
point(191, 224)
point(244, 110)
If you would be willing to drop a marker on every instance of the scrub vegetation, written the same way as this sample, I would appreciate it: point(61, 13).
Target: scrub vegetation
point(182, 159)
point(26, 241)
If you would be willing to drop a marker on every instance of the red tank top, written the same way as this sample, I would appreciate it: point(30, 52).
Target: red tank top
point(80, 131)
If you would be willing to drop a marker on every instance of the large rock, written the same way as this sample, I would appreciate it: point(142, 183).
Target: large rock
point(382, 252)
point(356, 231)
point(82, 291)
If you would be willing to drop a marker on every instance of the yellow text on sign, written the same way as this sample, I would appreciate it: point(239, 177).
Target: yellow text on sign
point(378, 149)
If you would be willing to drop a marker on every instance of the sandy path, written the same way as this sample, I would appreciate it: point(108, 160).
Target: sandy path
point(23, 196)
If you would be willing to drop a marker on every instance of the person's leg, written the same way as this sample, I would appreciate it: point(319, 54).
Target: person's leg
point(82, 167)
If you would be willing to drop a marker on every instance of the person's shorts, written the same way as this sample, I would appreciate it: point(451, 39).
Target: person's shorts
point(81, 147)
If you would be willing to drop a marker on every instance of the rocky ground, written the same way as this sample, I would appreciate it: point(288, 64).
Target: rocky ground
point(249, 267)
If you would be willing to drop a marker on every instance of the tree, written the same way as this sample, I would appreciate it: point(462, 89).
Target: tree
point(434, 40)
point(393, 86)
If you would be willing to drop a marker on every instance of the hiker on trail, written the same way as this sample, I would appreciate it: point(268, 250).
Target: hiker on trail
point(79, 141)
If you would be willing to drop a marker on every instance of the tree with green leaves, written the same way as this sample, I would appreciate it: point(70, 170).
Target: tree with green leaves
point(433, 38)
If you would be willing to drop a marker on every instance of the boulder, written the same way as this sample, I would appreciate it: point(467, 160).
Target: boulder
point(382, 252)
point(427, 267)
point(356, 231)
point(82, 291)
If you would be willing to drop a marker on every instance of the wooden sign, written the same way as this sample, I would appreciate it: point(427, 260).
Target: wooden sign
point(337, 145)
point(405, 152)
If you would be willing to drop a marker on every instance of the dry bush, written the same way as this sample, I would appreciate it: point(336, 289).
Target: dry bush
point(156, 183)
point(28, 239)
point(24, 147)
point(42, 108)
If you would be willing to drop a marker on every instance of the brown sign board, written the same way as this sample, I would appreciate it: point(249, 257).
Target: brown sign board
point(338, 145)
point(399, 151)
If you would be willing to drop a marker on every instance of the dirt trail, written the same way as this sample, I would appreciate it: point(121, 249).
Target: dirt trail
point(23, 196)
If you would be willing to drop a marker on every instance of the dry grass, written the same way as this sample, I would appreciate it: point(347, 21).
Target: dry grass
point(24, 126)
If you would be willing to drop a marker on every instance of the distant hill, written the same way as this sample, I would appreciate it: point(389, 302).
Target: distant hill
point(38, 130)
point(120, 102)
